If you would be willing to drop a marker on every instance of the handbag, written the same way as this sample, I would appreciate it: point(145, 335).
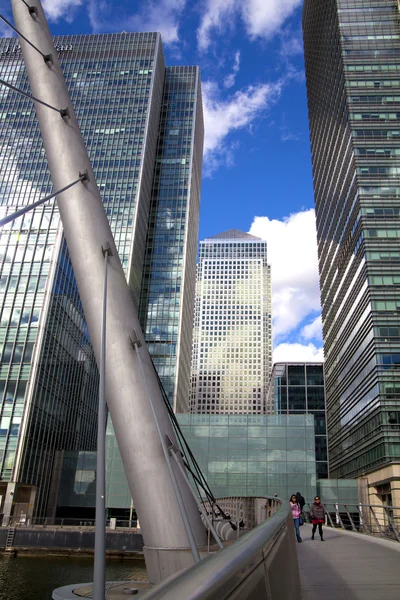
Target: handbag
point(301, 520)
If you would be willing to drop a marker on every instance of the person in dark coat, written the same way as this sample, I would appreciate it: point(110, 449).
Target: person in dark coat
point(300, 500)
point(317, 514)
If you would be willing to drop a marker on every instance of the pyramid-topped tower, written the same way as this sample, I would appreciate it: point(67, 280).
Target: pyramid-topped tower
point(232, 340)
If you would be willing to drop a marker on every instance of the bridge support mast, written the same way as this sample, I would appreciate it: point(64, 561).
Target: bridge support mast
point(133, 396)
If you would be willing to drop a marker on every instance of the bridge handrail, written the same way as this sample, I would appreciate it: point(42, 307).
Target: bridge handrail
point(219, 575)
point(344, 503)
point(370, 519)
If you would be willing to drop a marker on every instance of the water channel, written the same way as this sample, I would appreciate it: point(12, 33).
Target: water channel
point(34, 578)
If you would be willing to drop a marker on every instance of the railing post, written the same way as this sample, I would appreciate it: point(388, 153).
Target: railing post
point(392, 524)
point(377, 521)
point(350, 519)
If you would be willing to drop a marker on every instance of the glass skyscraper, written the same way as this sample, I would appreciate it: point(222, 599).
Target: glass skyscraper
point(169, 275)
point(142, 124)
point(352, 54)
point(299, 389)
point(232, 340)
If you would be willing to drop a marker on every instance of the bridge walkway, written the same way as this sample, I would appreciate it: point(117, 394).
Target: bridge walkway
point(348, 566)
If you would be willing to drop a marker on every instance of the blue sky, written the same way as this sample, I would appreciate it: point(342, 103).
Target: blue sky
point(257, 165)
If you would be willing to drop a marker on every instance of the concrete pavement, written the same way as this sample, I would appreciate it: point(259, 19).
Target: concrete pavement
point(348, 566)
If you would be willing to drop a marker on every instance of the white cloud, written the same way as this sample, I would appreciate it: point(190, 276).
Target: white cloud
point(161, 15)
point(287, 135)
point(298, 353)
point(262, 18)
point(238, 111)
point(291, 44)
point(292, 254)
point(218, 15)
point(313, 331)
point(229, 80)
point(57, 9)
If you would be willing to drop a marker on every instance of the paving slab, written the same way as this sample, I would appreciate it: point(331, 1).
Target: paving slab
point(348, 566)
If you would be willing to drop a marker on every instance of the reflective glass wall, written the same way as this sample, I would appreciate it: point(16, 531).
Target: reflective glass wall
point(254, 455)
point(299, 388)
point(167, 295)
point(352, 53)
point(240, 455)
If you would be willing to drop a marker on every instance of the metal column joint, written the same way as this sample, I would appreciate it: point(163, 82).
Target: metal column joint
point(134, 339)
point(84, 176)
point(105, 247)
point(33, 11)
point(64, 112)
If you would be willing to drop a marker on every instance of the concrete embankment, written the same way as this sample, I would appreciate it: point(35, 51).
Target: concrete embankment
point(61, 541)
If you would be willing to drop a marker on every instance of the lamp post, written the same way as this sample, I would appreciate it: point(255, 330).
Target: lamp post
point(99, 571)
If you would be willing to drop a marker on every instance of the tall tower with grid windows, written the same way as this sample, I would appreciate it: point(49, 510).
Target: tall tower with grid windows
point(232, 340)
point(143, 127)
point(352, 55)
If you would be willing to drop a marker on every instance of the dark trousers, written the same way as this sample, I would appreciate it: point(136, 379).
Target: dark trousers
point(314, 529)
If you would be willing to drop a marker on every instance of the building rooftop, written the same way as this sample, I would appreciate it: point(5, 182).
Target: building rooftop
point(234, 234)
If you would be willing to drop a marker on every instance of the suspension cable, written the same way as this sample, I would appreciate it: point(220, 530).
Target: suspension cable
point(185, 446)
point(63, 111)
point(25, 209)
point(179, 432)
point(46, 57)
point(180, 437)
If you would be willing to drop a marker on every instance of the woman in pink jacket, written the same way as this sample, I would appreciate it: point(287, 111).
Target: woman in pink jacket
point(296, 512)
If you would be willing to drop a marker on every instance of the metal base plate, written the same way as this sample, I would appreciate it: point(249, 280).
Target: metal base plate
point(116, 590)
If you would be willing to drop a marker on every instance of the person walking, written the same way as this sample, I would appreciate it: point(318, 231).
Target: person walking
point(300, 500)
point(296, 512)
point(317, 513)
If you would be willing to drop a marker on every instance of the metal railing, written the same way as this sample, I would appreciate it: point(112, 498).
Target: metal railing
point(261, 564)
point(370, 519)
point(44, 522)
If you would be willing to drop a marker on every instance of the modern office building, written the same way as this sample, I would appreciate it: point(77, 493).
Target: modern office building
point(254, 455)
point(299, 389)
point(232, 340)
point(239, 455)
point(143, 127)
point(352, 56)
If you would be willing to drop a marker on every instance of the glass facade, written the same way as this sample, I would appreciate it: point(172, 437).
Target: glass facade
point(117, 490)
point(120, 89)
point(352, 52)
point(299, 389)
point(232, 340)
point(76, 493)
point(339, 491)
point(170, 262)
point(239, 455)
point(253, 455)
